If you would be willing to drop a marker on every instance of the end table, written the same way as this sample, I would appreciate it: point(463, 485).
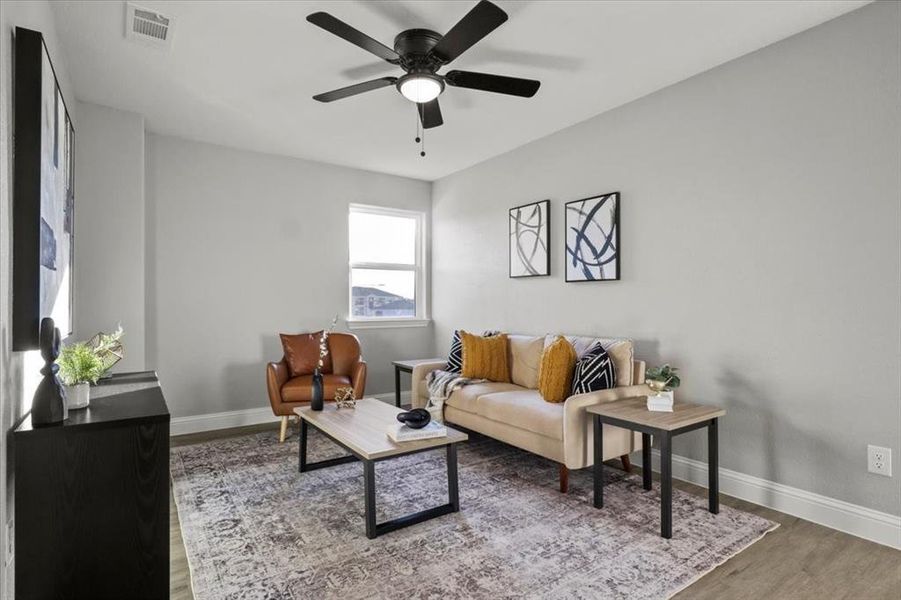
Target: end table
point(633, 414)
point(406, 366)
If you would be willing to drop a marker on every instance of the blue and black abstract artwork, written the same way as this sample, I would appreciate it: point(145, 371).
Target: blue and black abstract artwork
point(530, 239)
point(592, 238)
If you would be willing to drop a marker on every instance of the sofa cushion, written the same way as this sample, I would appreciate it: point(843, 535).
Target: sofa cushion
point(620, 351)
point(556, 373)
point(485, 357)
point(525, 359)
point(300, 389)
point(464, 398)
point(525, 409)
point(302, 353)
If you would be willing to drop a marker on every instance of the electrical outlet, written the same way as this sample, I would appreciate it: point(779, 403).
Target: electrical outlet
point(879, 460)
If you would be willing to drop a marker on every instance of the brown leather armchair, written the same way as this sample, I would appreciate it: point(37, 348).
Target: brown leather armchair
point(347, 369)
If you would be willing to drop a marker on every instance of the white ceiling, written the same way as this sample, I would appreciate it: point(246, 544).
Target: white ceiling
point(242, 74)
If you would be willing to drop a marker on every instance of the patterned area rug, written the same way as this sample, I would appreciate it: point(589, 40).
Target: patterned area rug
point(256, 528)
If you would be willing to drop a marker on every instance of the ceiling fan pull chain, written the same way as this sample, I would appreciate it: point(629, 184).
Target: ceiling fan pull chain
point(417, 122)
point(422, 148)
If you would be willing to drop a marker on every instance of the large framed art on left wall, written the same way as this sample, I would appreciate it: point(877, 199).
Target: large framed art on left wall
point(43, 195)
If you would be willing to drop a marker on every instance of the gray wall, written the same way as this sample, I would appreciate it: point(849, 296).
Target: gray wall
point(760, 249)
point(109, 286)
point(13, 392)
point(242, 246)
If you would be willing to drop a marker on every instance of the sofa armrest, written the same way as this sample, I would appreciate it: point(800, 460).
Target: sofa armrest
point(577, 432)
point(276, 376)
point(419, 373)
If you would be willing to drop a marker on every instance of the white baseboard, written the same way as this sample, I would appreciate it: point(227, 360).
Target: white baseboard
point(863, 522)
point(220, 420)
point(249, 416)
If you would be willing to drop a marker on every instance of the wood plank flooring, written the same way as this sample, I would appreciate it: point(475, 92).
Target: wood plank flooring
point(799, 560)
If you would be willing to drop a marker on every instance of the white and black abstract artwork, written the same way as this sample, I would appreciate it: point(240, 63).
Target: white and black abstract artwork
point(530, 239)
point(592, 238)
point(44, 196)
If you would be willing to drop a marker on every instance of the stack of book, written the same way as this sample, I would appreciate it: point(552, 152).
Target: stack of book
point(662, 402)
point(399, 432)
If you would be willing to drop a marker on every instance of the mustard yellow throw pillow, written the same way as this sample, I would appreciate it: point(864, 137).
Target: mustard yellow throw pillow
point(485, 357)
point(555, 376)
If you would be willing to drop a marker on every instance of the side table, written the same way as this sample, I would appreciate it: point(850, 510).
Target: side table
point(633, 414)
point(406, 366)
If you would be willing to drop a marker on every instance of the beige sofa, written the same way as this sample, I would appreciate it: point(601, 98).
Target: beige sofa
point(515, 412)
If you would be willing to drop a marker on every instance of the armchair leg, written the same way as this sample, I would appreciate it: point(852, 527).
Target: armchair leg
point(283, 430)
point(564, 479)
point(627, 464)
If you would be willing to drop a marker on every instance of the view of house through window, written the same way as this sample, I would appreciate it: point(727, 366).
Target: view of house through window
point(385, 263)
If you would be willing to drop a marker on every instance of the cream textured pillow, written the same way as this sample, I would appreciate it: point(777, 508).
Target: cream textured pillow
point(525, 359)
point(555, 377)
point(620, 351)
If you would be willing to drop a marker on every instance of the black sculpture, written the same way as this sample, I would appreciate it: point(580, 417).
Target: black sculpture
point(415, 419)
point(49, 405)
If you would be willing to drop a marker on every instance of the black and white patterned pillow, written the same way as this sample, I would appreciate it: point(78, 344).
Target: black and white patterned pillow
point(455, 358)
point(594, 371)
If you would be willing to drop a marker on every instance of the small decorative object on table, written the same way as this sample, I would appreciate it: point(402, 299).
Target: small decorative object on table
point(662, 381)
point(49, 405)
point(79, 367)
point(108, 348)
point(416, 418)
point(316, 397)
point(344, 397)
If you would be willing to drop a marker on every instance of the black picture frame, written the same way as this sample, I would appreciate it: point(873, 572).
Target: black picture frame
point(43, 211)
point(584, 233)
point(522, 222)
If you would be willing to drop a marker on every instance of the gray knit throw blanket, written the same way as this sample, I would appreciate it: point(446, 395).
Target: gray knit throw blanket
point(441, 384)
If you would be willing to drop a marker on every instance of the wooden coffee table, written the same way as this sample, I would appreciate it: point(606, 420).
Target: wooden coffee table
point(362, 432)
point(633, 413)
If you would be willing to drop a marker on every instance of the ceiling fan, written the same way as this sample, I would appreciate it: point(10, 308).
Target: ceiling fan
point(421, 53)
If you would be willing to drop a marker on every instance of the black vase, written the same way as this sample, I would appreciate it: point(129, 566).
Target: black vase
point(316, 397)
point(49, 404)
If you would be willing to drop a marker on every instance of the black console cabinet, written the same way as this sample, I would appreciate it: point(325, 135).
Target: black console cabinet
point(92, 497)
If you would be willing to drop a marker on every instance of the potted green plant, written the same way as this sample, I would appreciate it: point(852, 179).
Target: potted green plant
point(79, 367)
point(662, 379)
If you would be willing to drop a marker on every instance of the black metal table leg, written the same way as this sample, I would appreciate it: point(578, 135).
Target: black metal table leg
point(646, 460)
point(713, 467)
point(369, 491)
point(598, 463)
point(453, 489)
point(302, 450)
point(397, 386)
point(666, 485)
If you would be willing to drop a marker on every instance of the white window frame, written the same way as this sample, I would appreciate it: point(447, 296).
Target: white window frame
point(420, 271)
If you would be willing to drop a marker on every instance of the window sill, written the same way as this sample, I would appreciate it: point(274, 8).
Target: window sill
point(386, 323)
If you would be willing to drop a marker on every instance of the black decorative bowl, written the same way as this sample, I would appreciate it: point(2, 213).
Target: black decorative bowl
point(415, 419)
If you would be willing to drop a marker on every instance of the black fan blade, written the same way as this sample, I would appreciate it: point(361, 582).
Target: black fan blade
point(357, 88)
point(430, 114)
point(499, 84)
point(479, 22)
point(357, 38)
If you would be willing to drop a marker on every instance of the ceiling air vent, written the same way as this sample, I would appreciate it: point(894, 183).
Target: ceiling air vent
point(147, 26)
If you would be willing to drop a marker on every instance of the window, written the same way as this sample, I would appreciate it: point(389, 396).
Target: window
point(387, 273)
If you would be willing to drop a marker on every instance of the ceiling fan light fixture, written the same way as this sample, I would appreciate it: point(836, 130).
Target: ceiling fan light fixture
point(420, 87)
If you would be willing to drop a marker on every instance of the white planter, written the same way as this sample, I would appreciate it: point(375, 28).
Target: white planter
point(78, 395)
